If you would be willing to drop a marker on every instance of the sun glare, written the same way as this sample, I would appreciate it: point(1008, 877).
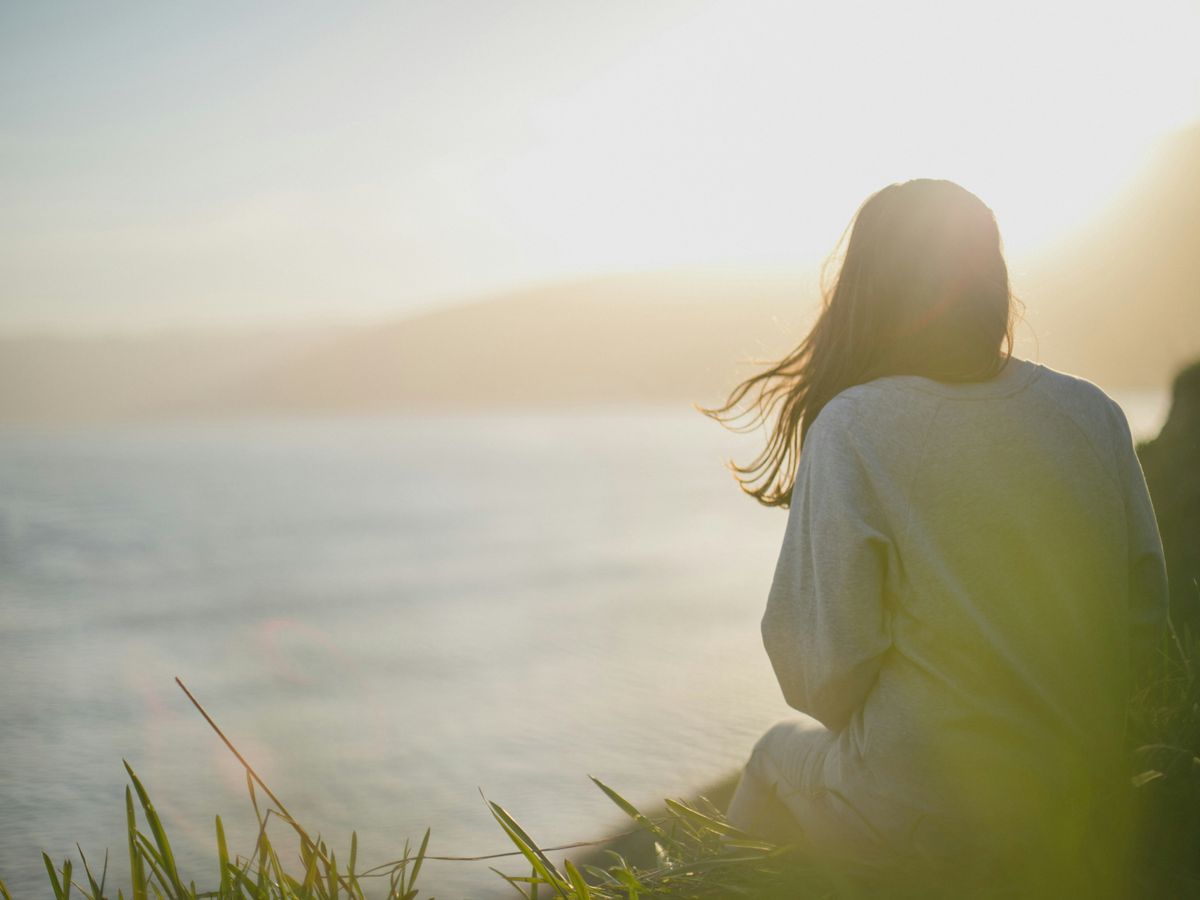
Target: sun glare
point(413, 160)
point(756, 138)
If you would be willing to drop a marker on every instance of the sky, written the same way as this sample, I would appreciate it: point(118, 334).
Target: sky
point(167, 165)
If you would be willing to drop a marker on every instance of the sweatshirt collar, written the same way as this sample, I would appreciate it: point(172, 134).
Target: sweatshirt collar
point(1016, 375)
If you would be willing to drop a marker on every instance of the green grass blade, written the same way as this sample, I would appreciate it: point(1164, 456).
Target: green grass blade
point(540, 862)
point(694, 815)
point(54, 882)
point(310, 870)
point(331, 878)
point(150, 853)
point(513, 882)
point(281, 879)
point(577, 882)
point(293, 887)
point(633, 812)
point(261, 874)
point(600, 875)
point(103, 872)
point(247, 887)
point(160, 837)
point(152, 859)
point(416, 869)
point(95, 887)
point(226, 888)
point(137, 871)
point(630, 882)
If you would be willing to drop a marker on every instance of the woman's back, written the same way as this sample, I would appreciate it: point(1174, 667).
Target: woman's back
point(971, 578)
point(953, 601)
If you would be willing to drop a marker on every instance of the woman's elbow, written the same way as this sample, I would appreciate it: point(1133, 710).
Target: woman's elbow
point(785, 657)
point(831, 713)
point(782, 654)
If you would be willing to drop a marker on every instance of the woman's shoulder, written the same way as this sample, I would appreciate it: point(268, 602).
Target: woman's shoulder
point(1082, 397)
point(1020, 379)
point(870, 414)
point(898, 408)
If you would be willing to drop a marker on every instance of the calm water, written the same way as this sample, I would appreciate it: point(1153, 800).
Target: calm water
point(387, 616)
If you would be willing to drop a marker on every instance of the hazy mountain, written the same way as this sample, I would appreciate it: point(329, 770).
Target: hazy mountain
point(627, 338)
point(52, 379)
point(1118, 303)
point(654, 337)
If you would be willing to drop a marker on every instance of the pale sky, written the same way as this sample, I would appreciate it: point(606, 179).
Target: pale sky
point(214, 164)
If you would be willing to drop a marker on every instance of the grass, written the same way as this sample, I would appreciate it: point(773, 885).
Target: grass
point(687, 849)
point(1164, 732)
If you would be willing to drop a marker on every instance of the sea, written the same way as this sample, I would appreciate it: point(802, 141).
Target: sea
point(395, 619)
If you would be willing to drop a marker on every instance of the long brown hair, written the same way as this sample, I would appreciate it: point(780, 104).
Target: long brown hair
point(922, 289)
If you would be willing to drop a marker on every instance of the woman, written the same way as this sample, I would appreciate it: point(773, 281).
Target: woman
point(971, 580)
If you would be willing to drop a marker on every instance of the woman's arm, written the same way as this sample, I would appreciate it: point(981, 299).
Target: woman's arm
point(825, 628)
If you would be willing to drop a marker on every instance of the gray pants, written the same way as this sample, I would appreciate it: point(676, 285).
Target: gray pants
point(781, 798)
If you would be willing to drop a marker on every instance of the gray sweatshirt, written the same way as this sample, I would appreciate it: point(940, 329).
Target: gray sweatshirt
point(970, 577)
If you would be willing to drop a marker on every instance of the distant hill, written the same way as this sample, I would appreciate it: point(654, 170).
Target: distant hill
point(642, 338)
point(68, 380)
point(659, 337)
point(1118, 303)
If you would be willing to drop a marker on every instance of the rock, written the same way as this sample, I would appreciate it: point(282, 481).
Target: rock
point(1171, 463)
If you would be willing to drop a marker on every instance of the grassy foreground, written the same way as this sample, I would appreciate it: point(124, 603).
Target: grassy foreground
point(687, 850)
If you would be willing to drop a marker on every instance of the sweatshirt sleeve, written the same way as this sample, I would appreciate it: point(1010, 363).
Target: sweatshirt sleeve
point(1149, 598)
point(825, 628)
